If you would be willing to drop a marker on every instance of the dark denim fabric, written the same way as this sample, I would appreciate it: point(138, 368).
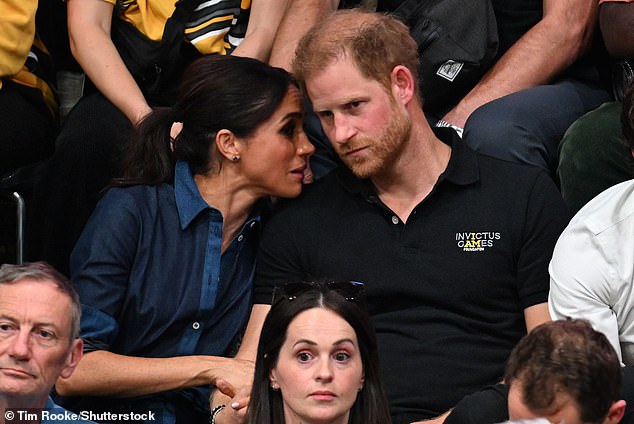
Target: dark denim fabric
point(152, 280)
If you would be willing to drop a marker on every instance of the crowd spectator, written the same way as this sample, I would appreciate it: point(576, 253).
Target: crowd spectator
point(547, 75)
point(591, 271)
point(39, 341)
point(563, 371)
point(317, 359)
point(453, 246)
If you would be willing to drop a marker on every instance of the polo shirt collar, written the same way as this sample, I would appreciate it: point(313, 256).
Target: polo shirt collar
point(189, 202)
point(462, 169)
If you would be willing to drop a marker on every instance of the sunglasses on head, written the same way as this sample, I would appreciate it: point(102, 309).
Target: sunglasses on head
point(349, 290)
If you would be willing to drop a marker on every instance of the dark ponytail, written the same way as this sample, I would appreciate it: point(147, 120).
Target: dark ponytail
point(149, 157)
point(216, 92)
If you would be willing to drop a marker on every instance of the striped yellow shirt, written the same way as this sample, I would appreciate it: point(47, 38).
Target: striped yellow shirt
point(217, 26)
point(17, 36)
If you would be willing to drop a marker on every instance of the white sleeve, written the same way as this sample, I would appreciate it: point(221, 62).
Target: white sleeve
point(581, 273)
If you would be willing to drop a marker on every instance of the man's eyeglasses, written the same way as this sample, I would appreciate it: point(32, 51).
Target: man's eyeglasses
point(349, 290)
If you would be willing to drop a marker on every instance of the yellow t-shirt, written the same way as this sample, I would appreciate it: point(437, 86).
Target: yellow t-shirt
point(17, 32)
point(217, 26)
point(17, 36)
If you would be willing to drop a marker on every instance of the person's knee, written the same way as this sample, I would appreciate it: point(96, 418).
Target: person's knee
point(481, 129)
point(505, 133)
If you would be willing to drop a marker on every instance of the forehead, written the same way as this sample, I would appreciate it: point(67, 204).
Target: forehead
point(291, 103)
point(35, 301)
point(563, 408)
point(320, 325)
point(338, 83)
point(291, 107)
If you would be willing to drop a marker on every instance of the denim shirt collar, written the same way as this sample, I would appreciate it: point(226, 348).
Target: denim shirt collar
point(189, 202)
point(49, 403)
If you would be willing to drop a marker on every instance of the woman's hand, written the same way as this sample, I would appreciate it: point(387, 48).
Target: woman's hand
point(236, 401)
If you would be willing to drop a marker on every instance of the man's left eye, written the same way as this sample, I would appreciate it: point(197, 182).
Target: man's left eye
point(45, 334)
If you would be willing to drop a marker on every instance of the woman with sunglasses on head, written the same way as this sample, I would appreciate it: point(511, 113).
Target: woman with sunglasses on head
point(317, 360)
point(164, 267)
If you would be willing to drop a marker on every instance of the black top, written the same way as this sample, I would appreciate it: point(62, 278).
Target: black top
point(447, 289)
point(514, 18)
point(488, 406)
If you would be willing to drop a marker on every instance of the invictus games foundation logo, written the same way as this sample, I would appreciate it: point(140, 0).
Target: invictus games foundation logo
point(476, 242)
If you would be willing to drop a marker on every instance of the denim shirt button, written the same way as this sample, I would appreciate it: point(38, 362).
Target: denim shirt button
point(196, 325)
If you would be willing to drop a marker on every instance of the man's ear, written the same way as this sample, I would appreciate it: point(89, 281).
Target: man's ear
point(615, 413)
point(403, 85)
point(228, 144)
point(75, 354)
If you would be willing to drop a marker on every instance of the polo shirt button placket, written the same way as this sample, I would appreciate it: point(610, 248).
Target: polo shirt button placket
point(395, 219)
point(240, 237)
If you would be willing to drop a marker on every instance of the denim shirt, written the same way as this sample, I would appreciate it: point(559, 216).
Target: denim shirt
point(152, 280)
point(55, 414)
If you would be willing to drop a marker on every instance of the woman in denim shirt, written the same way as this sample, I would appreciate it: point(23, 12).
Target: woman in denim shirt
point(164, 266)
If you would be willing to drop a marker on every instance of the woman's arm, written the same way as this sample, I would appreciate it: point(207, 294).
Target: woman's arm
point(89, 23)
point(300, 17)
point(264, 20)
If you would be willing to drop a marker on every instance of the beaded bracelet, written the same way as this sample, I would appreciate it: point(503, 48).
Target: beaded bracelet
point(214, 412)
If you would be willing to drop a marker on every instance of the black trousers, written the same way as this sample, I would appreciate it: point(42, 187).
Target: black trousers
point(27, 127)
point(88, 154)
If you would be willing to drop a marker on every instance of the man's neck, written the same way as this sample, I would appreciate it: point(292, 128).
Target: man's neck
point(414, 174)
point(15, 404)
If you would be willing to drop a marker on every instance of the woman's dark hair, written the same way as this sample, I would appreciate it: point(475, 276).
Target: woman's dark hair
point(216, 92)
point(266, 406)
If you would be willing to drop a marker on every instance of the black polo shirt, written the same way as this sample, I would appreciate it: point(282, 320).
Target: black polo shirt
point(488, 406)
point(447, 289)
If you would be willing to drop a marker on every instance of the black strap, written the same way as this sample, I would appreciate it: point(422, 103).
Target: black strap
point(174, 28)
